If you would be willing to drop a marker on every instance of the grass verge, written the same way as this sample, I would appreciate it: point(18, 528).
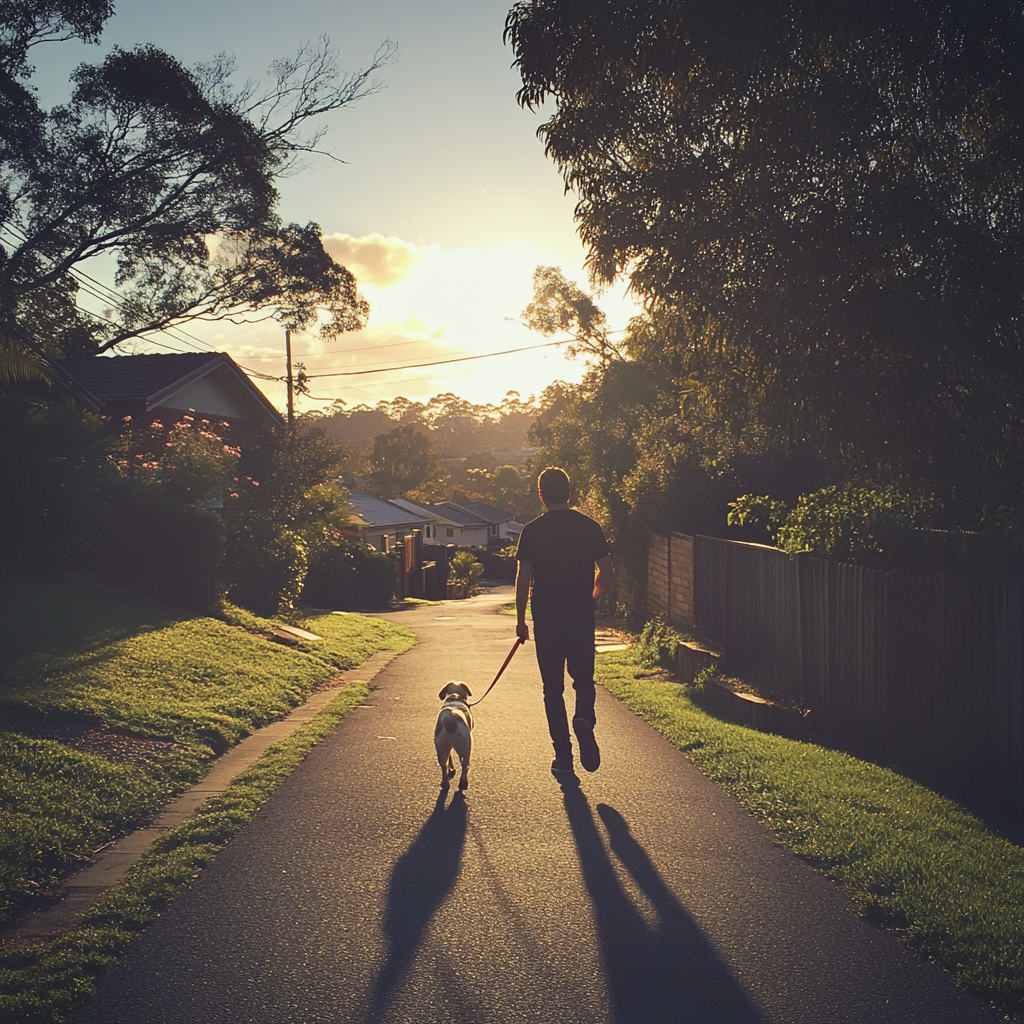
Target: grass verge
point(108, 708)
point(912, 861)
point(41, 982)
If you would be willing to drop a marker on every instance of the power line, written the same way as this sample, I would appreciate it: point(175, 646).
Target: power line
point(439, 362)
point(98, 290)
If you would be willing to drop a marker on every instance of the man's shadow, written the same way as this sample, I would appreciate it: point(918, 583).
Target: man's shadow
point(422, 877)
point(666, 973)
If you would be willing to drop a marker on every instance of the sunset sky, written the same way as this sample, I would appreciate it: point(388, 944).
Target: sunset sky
point(443, 208)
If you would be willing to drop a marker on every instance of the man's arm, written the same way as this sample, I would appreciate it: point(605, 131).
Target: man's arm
point(605, 582)
point(524, 576)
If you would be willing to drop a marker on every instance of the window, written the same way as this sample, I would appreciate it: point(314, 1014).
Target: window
point(493, 531)
point(450, 532)
point(428, 532)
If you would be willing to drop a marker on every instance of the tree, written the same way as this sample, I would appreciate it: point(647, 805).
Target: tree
point(404, 461)
point(821, 210)
point(560, 306)
point(171, 172)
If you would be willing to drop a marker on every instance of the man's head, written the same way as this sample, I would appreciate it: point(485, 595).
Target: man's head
point(553, 486)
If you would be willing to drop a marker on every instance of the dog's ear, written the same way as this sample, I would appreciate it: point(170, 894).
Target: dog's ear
point(444, 691)
point(469, 692)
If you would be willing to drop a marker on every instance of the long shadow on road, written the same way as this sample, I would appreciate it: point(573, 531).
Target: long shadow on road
point(423, 876)
point(667, 973)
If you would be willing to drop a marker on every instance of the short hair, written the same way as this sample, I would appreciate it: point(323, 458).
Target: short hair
point(553, 484)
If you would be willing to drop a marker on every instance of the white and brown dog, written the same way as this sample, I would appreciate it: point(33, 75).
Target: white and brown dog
point(454, 732)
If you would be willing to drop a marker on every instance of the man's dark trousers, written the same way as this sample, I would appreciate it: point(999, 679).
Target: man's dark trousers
point(565, 644)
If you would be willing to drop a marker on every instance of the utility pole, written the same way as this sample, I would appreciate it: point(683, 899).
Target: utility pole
point(289, 379)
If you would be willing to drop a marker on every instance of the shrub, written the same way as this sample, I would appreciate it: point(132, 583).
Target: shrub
point(464, 569)
point(170, 551)
point(265, 565)
point(350, 575)
point(657, 645)
point(845, 522)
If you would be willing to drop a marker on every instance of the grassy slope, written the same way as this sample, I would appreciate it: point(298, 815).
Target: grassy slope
point(199, 684)
point(913, 862)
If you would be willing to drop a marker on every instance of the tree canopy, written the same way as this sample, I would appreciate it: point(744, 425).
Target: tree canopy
point(820, 205)
point(171, 172)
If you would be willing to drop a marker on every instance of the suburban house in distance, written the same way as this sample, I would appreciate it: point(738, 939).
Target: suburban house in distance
point(502, 526)
point(166, 387)
point(473, 524)
point(477, 525)
point(387, 522)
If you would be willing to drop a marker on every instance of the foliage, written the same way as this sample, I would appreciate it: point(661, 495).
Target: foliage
point(404, 461)
point(189, 460)
point(170, 172)
point(264, 564)
point(559, 306)
point(912, 862)
point(480, 437)
point(350, 575)
point(169, 551)
point(465, 570)
point(821, 214)
point(657, 645)
point(845, 523)
point(283, 508)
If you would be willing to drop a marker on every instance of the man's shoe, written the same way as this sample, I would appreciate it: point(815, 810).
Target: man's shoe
point(561, 767)
point(590, 755)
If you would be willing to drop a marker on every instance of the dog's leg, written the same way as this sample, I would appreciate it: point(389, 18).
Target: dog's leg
point(464, 777)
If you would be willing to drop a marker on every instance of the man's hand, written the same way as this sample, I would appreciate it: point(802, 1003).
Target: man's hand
point(524, 576)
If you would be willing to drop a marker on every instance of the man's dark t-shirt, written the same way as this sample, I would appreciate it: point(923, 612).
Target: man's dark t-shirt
point(562, 545)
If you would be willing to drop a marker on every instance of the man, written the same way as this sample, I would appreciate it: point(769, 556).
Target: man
point(556, 553)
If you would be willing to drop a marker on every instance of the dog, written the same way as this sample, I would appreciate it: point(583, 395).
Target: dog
point(454, 732)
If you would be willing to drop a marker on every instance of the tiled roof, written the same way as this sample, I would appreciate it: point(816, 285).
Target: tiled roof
point(133, 378)
point(434, 512)
point(488, 513)
point(457, 515)
point(382, 513)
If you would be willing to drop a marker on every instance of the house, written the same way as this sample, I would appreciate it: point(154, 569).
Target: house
point(440, 528)
point(501, 525)
point(166, 387)
point(387, 522)
point(471, 524)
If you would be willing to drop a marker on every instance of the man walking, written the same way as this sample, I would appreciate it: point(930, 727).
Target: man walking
point(556, 553)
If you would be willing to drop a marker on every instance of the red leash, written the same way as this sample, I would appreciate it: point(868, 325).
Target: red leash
point(515, 647)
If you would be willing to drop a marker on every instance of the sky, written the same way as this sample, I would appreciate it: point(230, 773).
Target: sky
point(442, 207)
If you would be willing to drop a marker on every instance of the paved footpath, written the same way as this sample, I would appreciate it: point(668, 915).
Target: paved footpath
point(645, 896)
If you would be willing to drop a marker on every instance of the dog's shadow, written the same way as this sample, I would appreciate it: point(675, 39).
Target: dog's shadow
point(421, 880)
point(668, 972)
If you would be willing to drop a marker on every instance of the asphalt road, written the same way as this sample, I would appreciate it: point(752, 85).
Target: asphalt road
point(644, 896)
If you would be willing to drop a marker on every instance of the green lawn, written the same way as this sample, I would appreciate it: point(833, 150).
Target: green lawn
point(196, 685)
point(912, 861)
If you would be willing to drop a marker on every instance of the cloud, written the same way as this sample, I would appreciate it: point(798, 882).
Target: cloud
point(374, 259)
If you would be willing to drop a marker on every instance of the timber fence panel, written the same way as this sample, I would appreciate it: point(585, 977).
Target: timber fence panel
point(922, 673)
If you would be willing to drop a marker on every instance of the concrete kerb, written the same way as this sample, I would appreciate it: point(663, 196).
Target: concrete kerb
point(111, 864)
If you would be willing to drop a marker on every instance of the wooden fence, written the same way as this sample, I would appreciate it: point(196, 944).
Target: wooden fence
point(923, 673)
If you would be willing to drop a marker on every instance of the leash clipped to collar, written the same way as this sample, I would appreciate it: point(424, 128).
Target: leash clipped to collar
point(515, 647)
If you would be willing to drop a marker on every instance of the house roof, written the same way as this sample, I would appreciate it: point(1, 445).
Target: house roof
point(381, 513)
point(104, 381)
point(429, 512)
point(456, 515)
point(488, 513)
